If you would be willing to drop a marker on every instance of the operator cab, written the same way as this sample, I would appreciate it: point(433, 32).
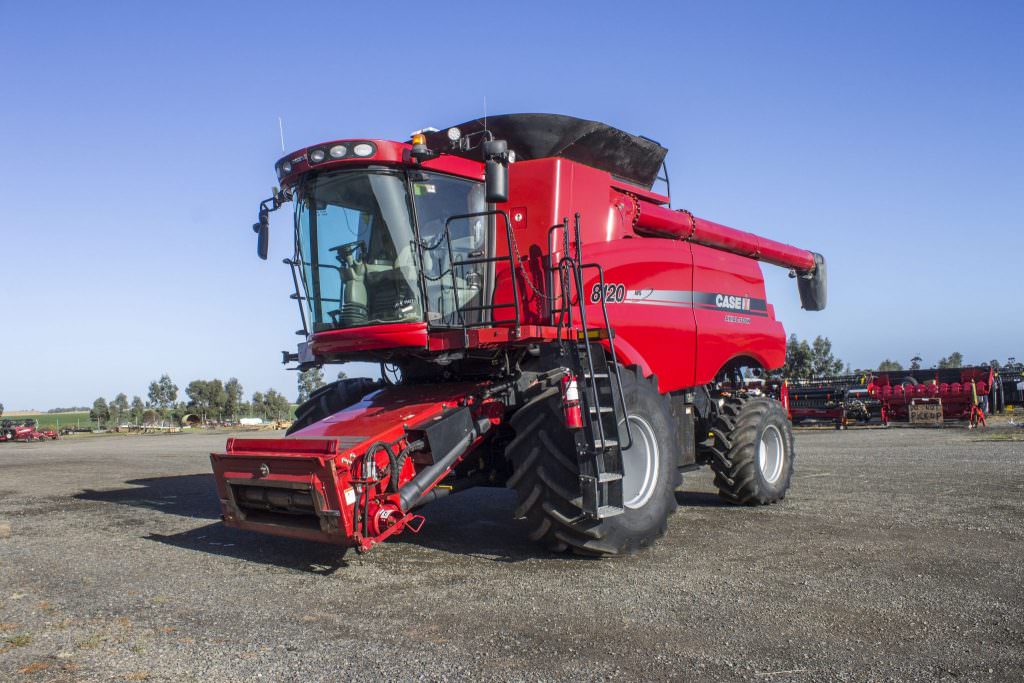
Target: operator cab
point(386, 237)
point(373, 248)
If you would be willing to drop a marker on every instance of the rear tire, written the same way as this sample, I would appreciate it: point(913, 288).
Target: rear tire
point(752, 451)
point(545, 475)
point(330, 399)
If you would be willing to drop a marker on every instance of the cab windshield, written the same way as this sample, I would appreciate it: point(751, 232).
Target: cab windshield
point(364, 237)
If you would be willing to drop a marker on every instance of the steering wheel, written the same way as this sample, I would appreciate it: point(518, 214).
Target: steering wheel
point(346, 253)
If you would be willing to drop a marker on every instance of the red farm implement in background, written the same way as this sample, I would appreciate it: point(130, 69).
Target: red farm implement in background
point(837, 400)
point(962, 393)
point(24, 430)
point(544, 321)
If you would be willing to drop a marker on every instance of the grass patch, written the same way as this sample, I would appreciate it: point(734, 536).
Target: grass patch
point(1003, 436)
point(90, 643)
point(20, 640)
point(52, 420)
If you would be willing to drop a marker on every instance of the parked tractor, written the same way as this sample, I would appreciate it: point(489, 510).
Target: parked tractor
point(24, 430)
point(544, 322)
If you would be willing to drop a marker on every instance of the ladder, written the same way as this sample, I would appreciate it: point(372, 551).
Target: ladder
point(605, 432)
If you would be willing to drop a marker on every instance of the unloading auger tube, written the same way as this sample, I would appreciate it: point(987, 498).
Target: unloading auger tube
point(808, 266)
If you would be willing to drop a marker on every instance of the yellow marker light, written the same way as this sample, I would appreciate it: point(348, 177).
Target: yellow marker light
point(419, 139)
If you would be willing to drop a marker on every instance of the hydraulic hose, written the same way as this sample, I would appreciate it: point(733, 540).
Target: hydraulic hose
point(413, 490)
point(398, 461)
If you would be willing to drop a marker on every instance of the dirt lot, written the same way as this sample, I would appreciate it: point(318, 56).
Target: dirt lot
point(899, 555)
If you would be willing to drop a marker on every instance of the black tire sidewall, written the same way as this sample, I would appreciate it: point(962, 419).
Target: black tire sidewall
point(775, 416)
point(643, 400)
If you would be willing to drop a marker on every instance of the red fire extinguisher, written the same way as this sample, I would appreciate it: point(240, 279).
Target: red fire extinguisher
point(571, 402)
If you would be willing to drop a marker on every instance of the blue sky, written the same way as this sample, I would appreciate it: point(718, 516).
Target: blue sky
point(137, 138)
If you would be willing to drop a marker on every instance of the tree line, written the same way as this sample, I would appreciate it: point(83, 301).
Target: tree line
point(953, 360)
point(211, 400)
point(815, 359)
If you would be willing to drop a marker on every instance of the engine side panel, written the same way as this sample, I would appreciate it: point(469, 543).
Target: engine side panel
point(733, 316)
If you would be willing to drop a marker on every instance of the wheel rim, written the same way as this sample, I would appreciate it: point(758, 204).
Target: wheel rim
point(640, 464)
point(771, 454)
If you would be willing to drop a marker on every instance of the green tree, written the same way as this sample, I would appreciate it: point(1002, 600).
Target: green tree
point(955, 360)
point(232, 398)
point(309, 381)
point(118, 409)
point(915, 362)
point(198, 397)
point(163, 393)
point(217, 398)
point(823, 363)
point(137, 409)
point(889, 366)
point(276, 406)
point(1, 409)
point(995, 364)
point(257, 406)
point(100, 411)
point(798, 358)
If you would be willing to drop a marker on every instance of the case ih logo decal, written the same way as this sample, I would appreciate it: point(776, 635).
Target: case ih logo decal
point(736, 303)
point(680, 298)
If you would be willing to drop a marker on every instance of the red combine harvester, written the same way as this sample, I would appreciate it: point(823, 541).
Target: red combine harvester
point(544, 322)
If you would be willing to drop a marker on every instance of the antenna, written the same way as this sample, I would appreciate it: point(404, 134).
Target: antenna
point(280, 128)
point(485, 112)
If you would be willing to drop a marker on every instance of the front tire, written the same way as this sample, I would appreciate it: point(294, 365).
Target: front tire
point(752, 451)
point(330, 399)
point(546, 475)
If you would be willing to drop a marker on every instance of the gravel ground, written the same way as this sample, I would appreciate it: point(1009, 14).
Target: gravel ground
point(897, 556)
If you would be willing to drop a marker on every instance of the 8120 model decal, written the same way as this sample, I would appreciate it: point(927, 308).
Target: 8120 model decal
point(614, 293)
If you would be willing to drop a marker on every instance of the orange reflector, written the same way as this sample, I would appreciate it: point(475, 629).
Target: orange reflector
point(596, 333)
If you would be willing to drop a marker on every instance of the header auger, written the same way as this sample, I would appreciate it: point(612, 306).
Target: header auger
point(543, 321)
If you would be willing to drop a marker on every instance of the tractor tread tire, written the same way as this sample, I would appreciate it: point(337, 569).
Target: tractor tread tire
point(330, 399)
point(545, 477)
point(734, 450)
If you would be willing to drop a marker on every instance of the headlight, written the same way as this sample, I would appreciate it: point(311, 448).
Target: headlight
point(454, 134)
point(286, 168)
point(363, 149)
point(316, 156)
point(338, 151)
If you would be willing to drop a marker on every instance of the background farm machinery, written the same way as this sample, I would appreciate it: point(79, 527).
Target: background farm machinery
point(25, 430)
point(893, 396)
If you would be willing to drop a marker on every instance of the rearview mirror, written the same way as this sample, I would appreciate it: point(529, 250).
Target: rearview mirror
point(262, 230)
point(496, 171)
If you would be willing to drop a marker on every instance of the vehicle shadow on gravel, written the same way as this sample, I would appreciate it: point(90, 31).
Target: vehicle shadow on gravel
point(195, 496)
point(476, 523)
point(701, 499)
point(189, 495)
point(286, 553)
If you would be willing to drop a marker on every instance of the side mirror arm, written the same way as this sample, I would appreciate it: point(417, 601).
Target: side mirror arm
point(262, 226)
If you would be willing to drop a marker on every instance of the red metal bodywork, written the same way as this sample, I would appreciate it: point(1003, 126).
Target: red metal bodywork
point(324, 459)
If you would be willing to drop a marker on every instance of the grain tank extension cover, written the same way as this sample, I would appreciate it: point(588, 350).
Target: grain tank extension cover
point(534, 136)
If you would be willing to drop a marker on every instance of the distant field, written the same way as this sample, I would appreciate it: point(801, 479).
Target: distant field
point(52, 420)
